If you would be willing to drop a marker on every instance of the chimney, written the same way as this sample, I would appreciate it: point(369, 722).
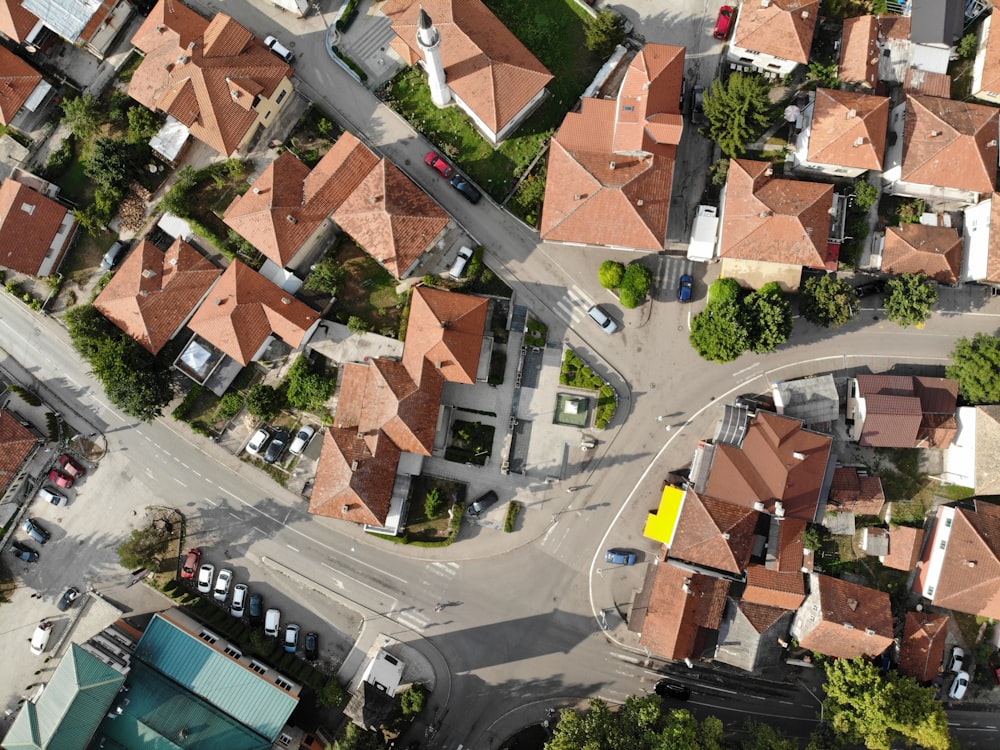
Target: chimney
point(859, 141)
point(578, 197)
point(173, 261)
point(799, 456)
point(292, 219)
point(256, 191)
point(725, 535)
point(354, 465)
point(148, 273)
point(613, 165)
point(848, 626)
point(182, 59)
point(805, 15)
point(935, 133)
point(758, 506)
point(344, 509)
point(161, 28)
point(991, 144)
point(639, 203)
point(191, 44)
point(869, 631)
point(439, 364)
point(852, 113)
point(219, 300)
point(765, 3)
point(971, 563)
point(286, 301)
point(768, 172)
point(779, 509)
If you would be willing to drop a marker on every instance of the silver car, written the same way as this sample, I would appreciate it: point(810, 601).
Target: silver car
point(240, 592)
point(205, 575)
point(222, 584)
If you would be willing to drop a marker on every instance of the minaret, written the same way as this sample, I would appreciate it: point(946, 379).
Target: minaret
point(430, 42)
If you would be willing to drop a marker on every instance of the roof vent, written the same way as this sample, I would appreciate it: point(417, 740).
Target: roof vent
point(439, 364)
point(971, 563)
point(354, 465)
point(859, 141)
point(765, 3)
point(765, 214)
point(725, 535)
point(234, 93)
point(613, 165)
point(639, 202)
point(292, 219)
point(935, 133)
point(256, 191)
point(852, 603)
point(758, 506)
point(161, 28)
point(805, 15)
point(144, 293)
point(779, 509)
point(869, 631)
point(768, 172)
point(191, 44)
point(286, 301)
point(219, 301)
point(173, 261)
point(578, 197)
point(148, 273)
point(344, 509)
point(852, 113)
point(168, 66)
point(799, 456)
point(182, 59)
point(992, 144)
point(848, 626)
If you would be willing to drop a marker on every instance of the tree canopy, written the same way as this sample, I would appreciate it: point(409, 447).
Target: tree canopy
point(735, 320)
point(82, 114)
point(611, 273)
point(910, 299)
point(976, 367)
point(265, 401)
point(604, 32)
point(636, 283)
point(143, 548)
point(828, 301)
point(738, 111)
point(308, 386)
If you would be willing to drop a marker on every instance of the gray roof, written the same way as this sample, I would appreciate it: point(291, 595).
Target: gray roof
point(65, 17)
point(987, 450)
point(72, 705)
point(813, 400)
point(742, 645)
point(934, 21)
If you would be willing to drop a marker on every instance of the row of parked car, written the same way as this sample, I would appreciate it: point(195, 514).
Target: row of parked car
point(270, 444)
point(244, 603)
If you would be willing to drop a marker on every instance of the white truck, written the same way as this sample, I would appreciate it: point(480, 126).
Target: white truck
point(704, 234)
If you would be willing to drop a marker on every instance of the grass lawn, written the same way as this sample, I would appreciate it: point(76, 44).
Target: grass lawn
point(419, 527)
point(74, 184)
point(368, 291)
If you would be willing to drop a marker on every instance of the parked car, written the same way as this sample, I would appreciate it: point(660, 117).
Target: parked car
point(114, 254)
point(698, 106)
point(957, 660)
point(205, 576)
point(292, 638)
point(222, 584)
point(620, 556)
point(190, 567)
point(301, 441)
point(71, 466)
point(277, 446)
point(466, 188)
point(437, 162)
point(685, 288)
point(255, 612)
point(279, 49)
point(259, 441)
point(272, 623)
point(239, 599)
point(602, 319)
point(60, 480)
point(959, 686)
point(668, 689)
point(68, 598)
point(22, 553)
point(483, 502)
point(52, 497)
point(457, 270)
point(36, 531)
point(41, 637)
point(312, 646)
point(724, 22)
point(875, 286)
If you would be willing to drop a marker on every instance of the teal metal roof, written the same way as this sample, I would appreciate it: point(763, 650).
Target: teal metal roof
point(227, 684)
point(160, 715)
point(70, 708)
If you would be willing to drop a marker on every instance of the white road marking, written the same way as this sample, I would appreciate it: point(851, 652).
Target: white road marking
point(259, 531)
point(235, 516)
point(214, 505)
point(291, 548)
point(179, 482)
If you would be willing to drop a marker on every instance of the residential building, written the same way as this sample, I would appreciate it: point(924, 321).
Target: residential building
point(973, 458)
point(371, 701)
point(843, 619)
point(91, 24)
point(774, 588)
point(714, 535)
point(213, 76)
point(942, 150)
point(986, 70)
point(35, 230)
point(750, 635)
point(981, 237)
point(854, 491)
point(17, 444)
point(960, 564)
point(22, 88)
point(905, 545)
point(786, 550)
point(154, 292)
point(491, 76)
point(935, 30)
point(921, 652)
point(17, 23)
point(774, 36)
point(773, 226)
point(933, 251)
point(843, 134)
point(813, 400)
point(874, 50)
point(900, 411)
point(611, 164)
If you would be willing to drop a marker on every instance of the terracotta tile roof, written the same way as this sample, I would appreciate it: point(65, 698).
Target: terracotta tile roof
point(848, 129)
point(921, 651)
point(990, 77)
point(405, 409)
point(16, 446)
point(357, 474)
point(17, 81)
point(775, 589)
point(970, 572)
point(675, 617)
point(153, 292)
point(918, 248)
point(925, 82)
point(946, 143)
point(244, 308)
point(791, 555)
point(859, 51)
point(779, 461)
point(714, 534)
point(392, 218)
point(857, 493)
point(100, 18)
point(937, 395)
point(783, 29)
point(353, 381)
point(760, 616)
point(937, 431)
point(648, 117)
point(905, 543)
point(29, 223)
point(987, 481)
point(16, 21)
point(210, 86)
point(898, 410)
point(447, 329)
point(993, 256)
point(850, 621)
point(775, 219)
point(484, 63)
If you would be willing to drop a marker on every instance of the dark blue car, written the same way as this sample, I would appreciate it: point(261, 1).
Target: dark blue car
point(686, 288)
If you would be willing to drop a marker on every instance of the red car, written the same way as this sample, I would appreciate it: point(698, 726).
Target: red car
point(63, 480)
point(190, 567)
point(724, 22)
point(434, 160)
point(71, 466)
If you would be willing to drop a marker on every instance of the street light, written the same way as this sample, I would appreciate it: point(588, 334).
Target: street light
point(814, 698)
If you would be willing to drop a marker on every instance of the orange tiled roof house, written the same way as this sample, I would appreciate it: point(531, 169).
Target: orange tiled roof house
point(843, 619)
point(93, 25)
point(773, 36)
point(902, 411)
point(986, 70)
point(35, 230)
point(22, 88)
point(843, 134)
point(874, 49)
point(213, 76)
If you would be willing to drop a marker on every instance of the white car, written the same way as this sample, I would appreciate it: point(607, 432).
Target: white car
point(205, 575)
point(222, 584)
point(41, 637)
point(602, 319)
point(957, 660)
point(52, 497)
point(302, 438)
point(959, 686)
point(259, 441)
point(272, 623)
point(279, 49)
point(458, 267)
point(240, 592)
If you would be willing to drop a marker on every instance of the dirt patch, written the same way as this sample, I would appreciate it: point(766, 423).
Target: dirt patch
point(367, 292)
point(313, 135)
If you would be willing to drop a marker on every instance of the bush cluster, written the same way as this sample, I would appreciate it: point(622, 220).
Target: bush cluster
point(632, 282)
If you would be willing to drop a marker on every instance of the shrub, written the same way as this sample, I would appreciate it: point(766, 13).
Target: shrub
point(611, 274)
point(412, 701)
point(865, 195)
point(264, 402)
point(229, 406)
point(331, 694)
point(434, 503)
point(513, 510)
point(639, 279)
point(27, 396)
point(357, 325)
point(307, 388)
point(60, 159)
point(629, 298)
point(182, 409)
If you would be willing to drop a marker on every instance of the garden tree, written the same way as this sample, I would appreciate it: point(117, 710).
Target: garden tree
point(264, 401)
point(604, 32)
point(434, 503)
point(975, 364)
point(413, 700)
point(331, 694)
point(865, 195)
point(968, 47)
point(828, 301)
point(910, 299)
point(640, 724)
point(881, 711)
point(143, 548)
point(308, 388)
point(718, 172)
point(812, 537)
point(87, 328)
point(178, 199)
point(143, 124)
point(824, 74)
point(738, 110)
point(635, 285)
point(611, 274)
point(718, 332)
point(83, 115)
point(910, 211)
point(357, 325)
point(111, 163)
point(765, 737)
point(768, 316)
point(356, 738)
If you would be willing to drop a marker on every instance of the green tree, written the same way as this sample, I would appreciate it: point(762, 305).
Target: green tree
point(738, 110)
point(910, 211)
point(718, 332)
point(326, 275)
point(828, 301)
point(83, 115)
point(357, 325)
point(968, 46)
point(143, 124)
point(413, 700)
point(880, 711)
point(910, 300)
point(768, 316)
point(611, 274)
point(762, 736)
point(178, 199)
point(111, 163)
point(975, 365)
point(636, 283)
point(307, 388)
point(812, 537)
point(865, 195)
point(264, 401)
point(434, 503)
point(356, 738)
point(604, 32)
point(718, 172)
point(331, 694)
point(824, 74)
point(143, 548)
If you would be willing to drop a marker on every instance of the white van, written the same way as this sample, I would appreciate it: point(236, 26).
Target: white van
point(279, 49)
point(272, 623)
point(458, 267)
